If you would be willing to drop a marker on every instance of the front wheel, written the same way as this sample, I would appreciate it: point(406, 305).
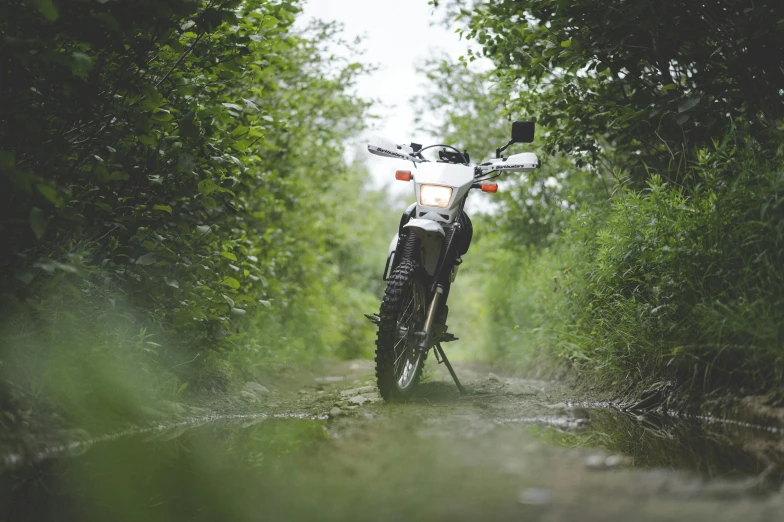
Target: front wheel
point(399, 360)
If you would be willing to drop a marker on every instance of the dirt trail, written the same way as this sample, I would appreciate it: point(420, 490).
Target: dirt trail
point(319, 444)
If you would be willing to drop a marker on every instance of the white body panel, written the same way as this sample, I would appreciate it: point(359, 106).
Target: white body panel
point(427, 221)
point(388, 149)
point(392, 246)
point(431, 236)
point(425, 226)
point(523, 162)
point(391, 250)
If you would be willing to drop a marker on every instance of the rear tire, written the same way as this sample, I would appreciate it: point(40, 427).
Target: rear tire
point(399, 361)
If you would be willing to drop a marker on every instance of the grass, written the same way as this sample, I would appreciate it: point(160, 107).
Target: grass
point(678, 282)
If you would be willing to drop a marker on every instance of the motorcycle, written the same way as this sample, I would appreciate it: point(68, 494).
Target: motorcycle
point(424, 255)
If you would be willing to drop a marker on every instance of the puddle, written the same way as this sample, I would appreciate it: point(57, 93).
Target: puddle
point(38, 451)
point(712, 449)
point(438, 459)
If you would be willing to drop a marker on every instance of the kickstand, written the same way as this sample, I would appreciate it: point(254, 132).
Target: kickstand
point(449, 367)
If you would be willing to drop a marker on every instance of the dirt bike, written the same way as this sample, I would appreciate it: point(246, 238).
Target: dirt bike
point(424, 255)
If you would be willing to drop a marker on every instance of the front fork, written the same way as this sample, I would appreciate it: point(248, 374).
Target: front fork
point(431, 331)
point(426, 336)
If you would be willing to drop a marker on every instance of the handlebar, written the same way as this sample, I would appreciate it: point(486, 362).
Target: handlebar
point(524, 162)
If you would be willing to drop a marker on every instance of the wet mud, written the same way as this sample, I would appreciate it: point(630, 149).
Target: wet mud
point(324, 447)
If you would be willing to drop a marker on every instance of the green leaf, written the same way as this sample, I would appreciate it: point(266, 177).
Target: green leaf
point(207, 187)
point(688, 104)
point(162, 115)
point(81, 64)
point(231, 283)
point(566, 43)
point(229, 255)
point(171, 282)
point(209, 203)
point(38, 222)
point(241, 130)
point(147, 259)
point(49, 193)
point(48, 9)
point(269, 21)
point(163, 208)
point(7, 161)
point(241, 145)
point(202, 229)
point(118, 176)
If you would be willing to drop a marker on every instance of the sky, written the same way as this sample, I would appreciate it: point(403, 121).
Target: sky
point(397, 35)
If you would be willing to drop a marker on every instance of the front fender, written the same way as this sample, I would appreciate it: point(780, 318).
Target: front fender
point(431, 235)
point(422, 227)
point(390, 256)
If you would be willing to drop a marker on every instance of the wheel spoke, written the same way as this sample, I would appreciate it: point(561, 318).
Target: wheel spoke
point(403, 313)
point(408, 306)
point(398, 344)
point(402, 353)
point(405, 321)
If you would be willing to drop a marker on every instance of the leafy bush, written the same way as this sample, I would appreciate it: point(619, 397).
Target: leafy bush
point(664, 281)
point(675, 273)
point(622, 80)
point(178, 159)
point(174, 179)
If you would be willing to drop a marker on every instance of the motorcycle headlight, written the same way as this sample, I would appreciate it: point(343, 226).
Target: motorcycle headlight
point(435, 196)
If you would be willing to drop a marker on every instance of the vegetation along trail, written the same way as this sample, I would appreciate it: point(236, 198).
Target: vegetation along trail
point(191, 229)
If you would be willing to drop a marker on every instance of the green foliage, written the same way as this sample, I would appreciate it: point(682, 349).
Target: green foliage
point(176, 157)
point(186, 159)
point(674, 273)
point(663, 281)
point(627, 77)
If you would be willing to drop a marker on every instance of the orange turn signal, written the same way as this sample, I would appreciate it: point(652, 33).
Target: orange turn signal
point(489, 187)
point(403, 175)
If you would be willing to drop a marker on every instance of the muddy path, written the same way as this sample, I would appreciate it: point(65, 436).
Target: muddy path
point(318, 444)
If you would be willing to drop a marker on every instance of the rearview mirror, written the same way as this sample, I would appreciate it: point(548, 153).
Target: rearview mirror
point(523, 131)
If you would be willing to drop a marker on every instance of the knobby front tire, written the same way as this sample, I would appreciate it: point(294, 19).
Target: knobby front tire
point(399, 362)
